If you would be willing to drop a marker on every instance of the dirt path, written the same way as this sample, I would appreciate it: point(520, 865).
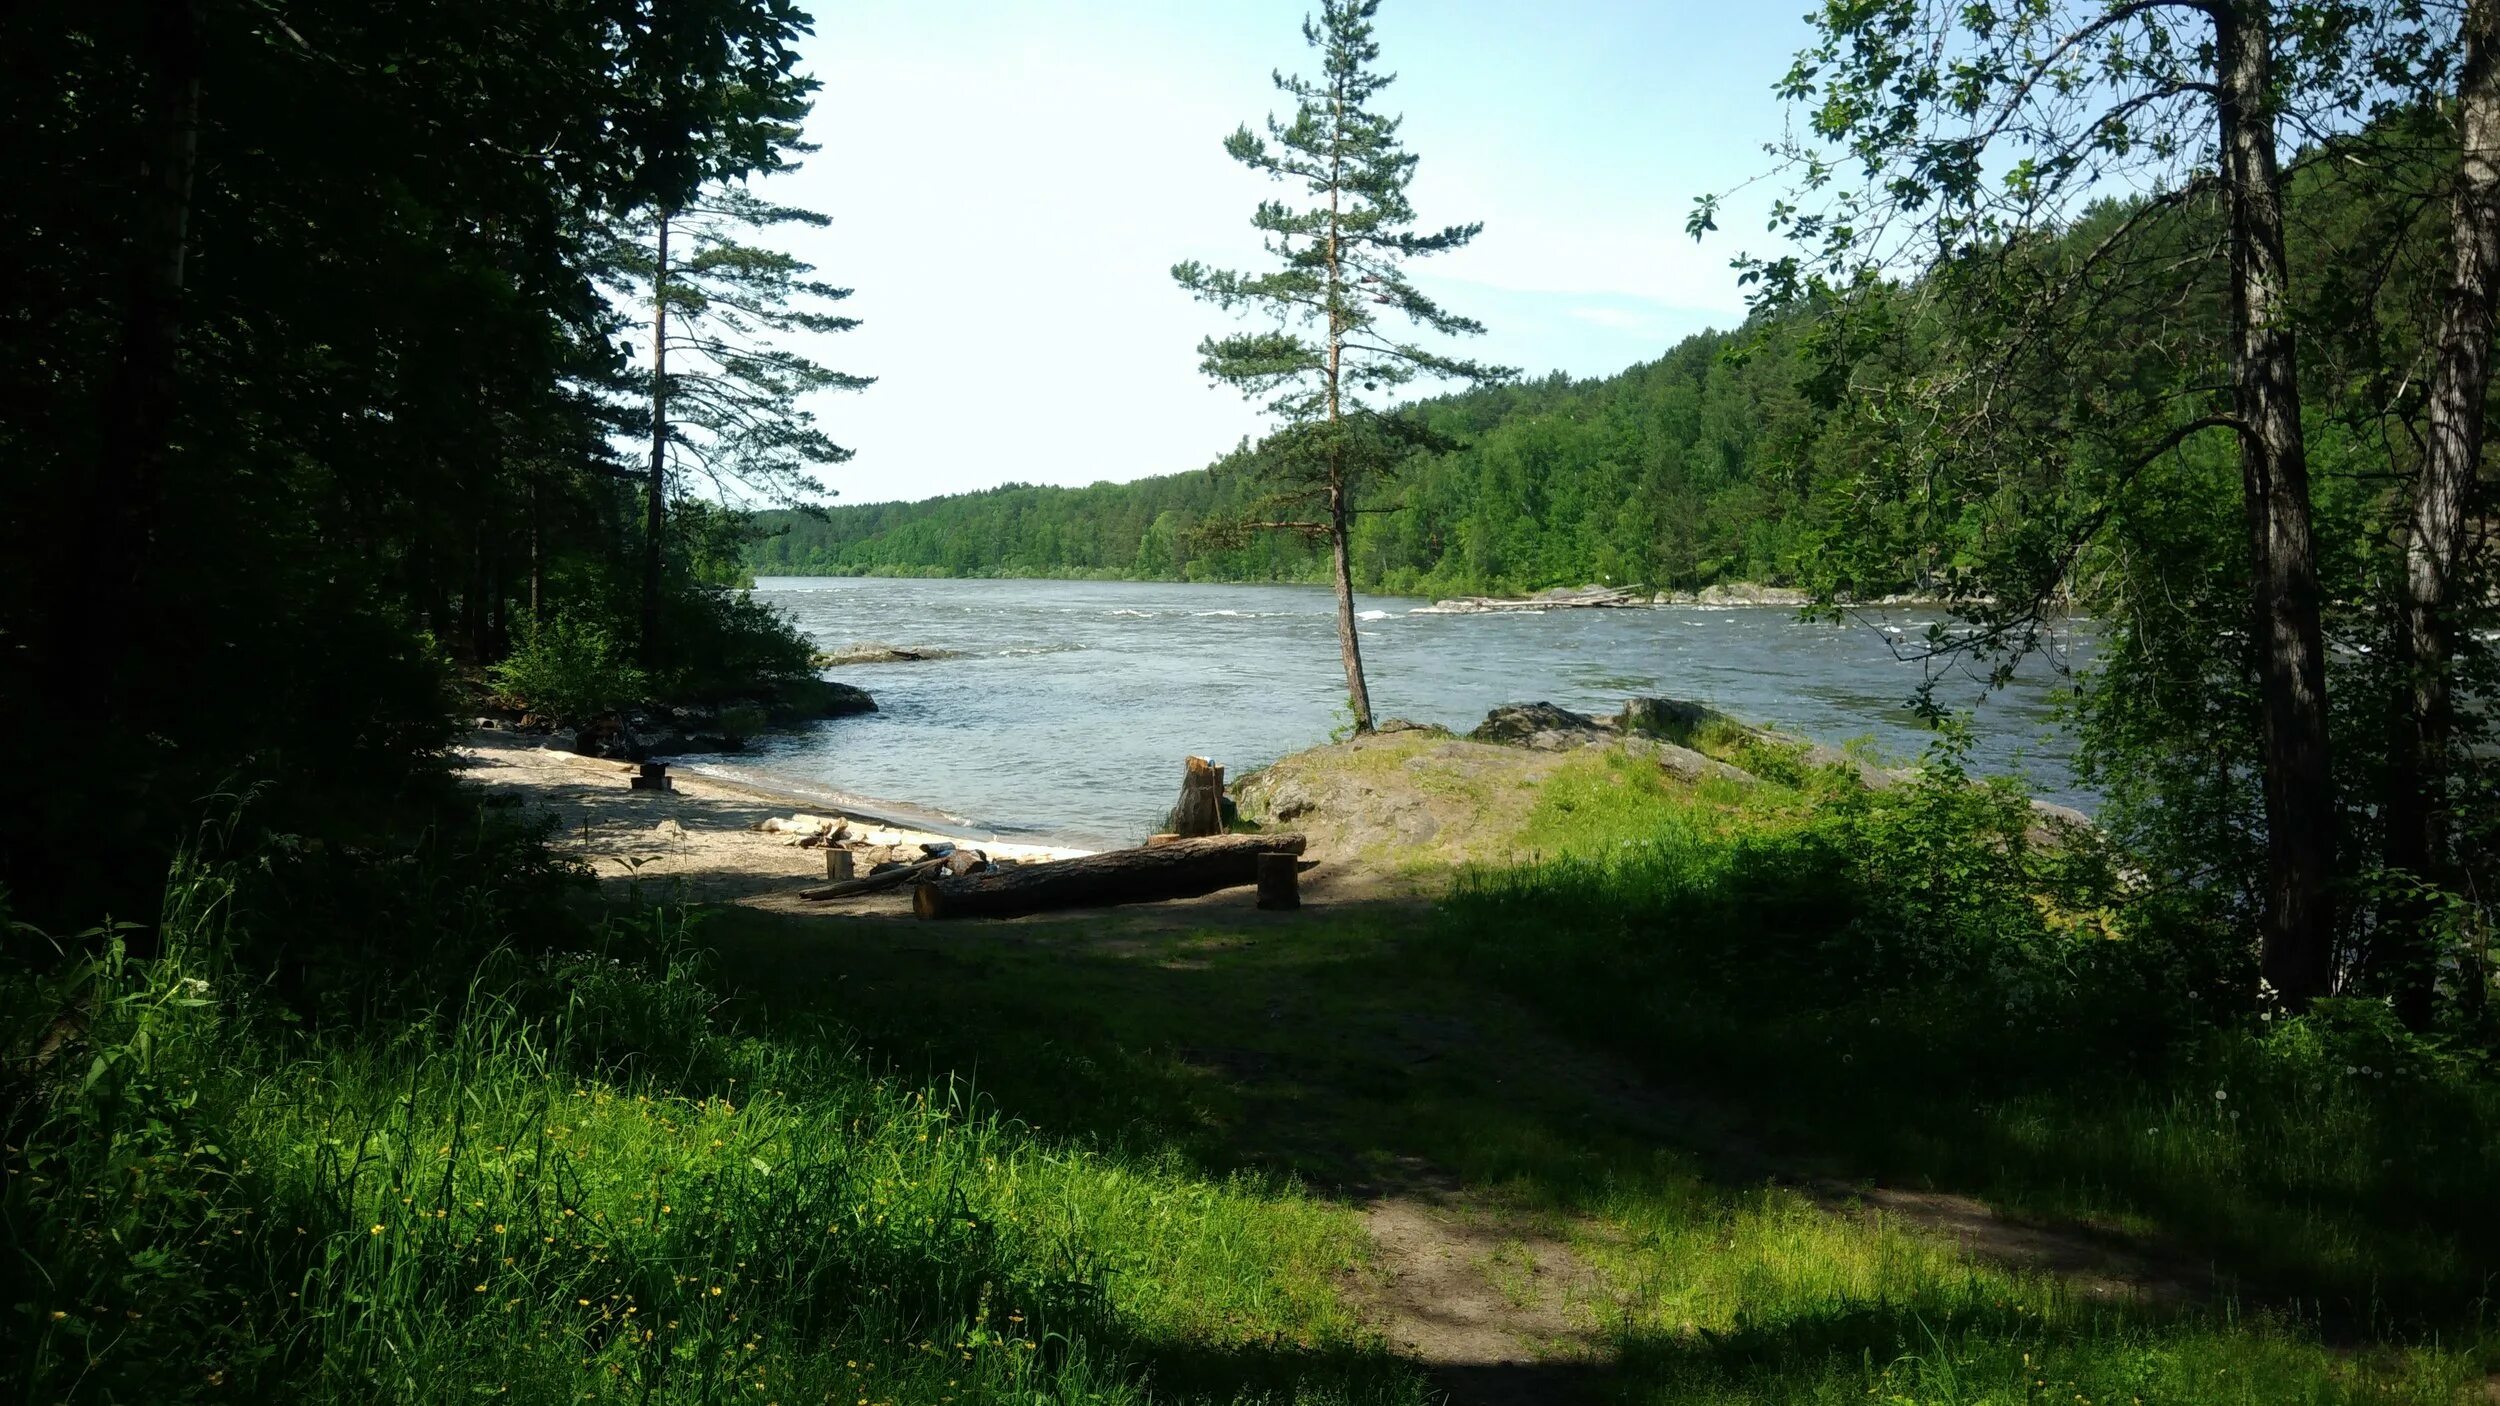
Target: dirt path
point(1494, 1310)
point(1499, 1309)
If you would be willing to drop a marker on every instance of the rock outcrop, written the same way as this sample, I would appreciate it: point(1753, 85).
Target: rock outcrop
point(872, 652)
point(810, 699)
point(1590, 597)
point(1402, 803)
point(1543, 727)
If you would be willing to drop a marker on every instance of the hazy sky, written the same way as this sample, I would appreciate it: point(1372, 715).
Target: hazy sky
point(1011, 181)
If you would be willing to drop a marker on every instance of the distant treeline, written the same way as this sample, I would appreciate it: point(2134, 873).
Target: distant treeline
point(1678, 472)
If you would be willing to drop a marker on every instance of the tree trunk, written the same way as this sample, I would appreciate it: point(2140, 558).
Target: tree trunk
point(538, 547)
point(1200, 810)
point(655, 493)
point(118, 523)
point(2417, 842)
point(1358, 695)
point(1280, 882)
point(2299, 917)
point(477, 595)
point(1181, 869)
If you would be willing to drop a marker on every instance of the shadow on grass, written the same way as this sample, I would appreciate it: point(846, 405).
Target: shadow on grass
point(2064, 1079)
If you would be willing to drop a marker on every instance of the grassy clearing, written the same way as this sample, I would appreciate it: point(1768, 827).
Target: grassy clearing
point(1335, 1048)
point(1583, 1043)
point(575, 1185)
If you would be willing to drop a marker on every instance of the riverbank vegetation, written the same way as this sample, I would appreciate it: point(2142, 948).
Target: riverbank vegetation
point(1678, 473)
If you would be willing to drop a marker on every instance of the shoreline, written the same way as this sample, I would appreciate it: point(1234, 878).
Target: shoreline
point(1718, 595)
point(702, 835)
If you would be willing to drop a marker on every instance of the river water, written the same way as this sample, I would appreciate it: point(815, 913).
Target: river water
point(1070, 704)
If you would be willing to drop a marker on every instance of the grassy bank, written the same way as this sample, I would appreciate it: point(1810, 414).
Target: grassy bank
point(1922, 987)
point(1818, 1095)
point(572, 1182)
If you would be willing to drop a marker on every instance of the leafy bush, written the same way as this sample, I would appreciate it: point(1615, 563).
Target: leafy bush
point(726, 644)
point(570, 669)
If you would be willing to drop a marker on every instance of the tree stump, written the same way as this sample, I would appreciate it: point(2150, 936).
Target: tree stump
point(1201, 808)
point(838, 863)
point(1280, 882)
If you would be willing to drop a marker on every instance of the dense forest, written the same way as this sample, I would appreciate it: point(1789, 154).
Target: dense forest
point(379, 383)
point(1678, 473)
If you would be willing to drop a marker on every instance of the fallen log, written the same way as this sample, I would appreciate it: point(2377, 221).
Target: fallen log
point(891, 878)
point(1180, 869)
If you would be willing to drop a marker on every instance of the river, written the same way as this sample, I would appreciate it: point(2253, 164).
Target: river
point(1069, 705)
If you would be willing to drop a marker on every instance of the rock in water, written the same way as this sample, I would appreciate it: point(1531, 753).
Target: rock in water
point(871, 652)
point(823, 698)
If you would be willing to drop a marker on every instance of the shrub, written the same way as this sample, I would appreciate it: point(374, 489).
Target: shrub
point(725, 644)
point(572, 670)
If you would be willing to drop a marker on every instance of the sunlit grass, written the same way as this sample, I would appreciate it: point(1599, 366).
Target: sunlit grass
point(516, 1203)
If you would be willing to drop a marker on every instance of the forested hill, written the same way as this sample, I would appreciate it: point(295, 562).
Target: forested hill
point(1677, 472)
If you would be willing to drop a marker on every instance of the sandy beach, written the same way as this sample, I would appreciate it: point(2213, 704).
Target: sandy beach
point(698, 840)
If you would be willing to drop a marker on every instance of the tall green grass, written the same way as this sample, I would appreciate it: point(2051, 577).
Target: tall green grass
point(572, 1184)
point(1920, 984)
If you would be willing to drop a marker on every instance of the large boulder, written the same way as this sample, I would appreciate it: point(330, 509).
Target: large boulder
point(1685, 724)
point(1671, 719)
point(1645, 732)
point(822, 698)
point(1542, 727)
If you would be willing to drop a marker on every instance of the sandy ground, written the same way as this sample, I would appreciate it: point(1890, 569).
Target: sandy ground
point(698, 839)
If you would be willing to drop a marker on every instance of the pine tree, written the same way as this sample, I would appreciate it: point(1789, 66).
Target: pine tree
point(725, 390)
point(1331, 360)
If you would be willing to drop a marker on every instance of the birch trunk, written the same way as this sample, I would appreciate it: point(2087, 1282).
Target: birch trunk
point(2299, 915)
point(2417, 841)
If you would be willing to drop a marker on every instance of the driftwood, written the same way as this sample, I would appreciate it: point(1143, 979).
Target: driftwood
point(1181, 869)
point(891, 878)
point(1200, 810)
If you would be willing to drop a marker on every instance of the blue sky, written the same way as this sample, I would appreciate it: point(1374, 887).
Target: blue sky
point(1010, 183)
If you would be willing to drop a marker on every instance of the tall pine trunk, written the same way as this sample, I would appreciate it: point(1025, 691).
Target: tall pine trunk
point(2417, 841)
point(2299, 918)
point(1358, 694)
point(655, 492)
point(538, 547)
point(1349, 644)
